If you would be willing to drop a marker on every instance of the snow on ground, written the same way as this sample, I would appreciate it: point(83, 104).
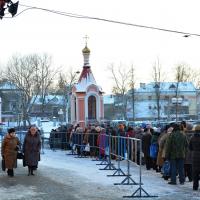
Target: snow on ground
point(89, 171)
point(62, 176)
point(17, 192)
point(54, 165)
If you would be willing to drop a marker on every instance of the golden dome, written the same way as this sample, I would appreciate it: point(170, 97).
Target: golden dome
point(86, 50)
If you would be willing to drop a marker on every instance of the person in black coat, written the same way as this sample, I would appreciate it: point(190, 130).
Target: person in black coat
point(194, 146)
point(31, 149)
point(146, 142)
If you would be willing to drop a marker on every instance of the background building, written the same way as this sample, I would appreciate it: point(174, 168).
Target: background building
point(174, 99)
point(10, 102)
point(49, 107)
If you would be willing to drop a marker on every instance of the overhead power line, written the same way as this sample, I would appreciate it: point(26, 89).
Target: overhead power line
point(73, 15)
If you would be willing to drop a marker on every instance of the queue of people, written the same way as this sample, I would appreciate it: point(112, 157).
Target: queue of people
point(30, 149)
point(174, 151)
point(178, 147)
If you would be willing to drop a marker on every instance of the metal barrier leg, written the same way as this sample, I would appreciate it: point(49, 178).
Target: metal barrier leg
point(109, 165)
point(140, 190)
point(103, 162)
point(128, 180)
point(119, 171)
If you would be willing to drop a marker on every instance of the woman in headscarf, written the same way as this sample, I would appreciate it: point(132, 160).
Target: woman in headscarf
point(31, 149)
point(9, 148)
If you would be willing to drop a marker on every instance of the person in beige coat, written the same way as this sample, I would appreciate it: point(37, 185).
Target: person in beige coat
point(9, 148)
point(162, 148)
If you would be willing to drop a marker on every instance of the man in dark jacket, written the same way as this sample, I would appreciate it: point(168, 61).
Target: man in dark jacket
point(146, 142)
point(194, 146)
point(176, 147)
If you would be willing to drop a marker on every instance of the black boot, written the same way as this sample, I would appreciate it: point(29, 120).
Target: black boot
point(29, 171)
point(10, 172)
point(32, 171)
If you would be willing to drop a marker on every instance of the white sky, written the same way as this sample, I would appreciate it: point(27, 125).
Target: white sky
point(37, 31)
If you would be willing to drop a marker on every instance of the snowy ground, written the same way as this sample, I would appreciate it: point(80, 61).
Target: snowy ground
point(61, 176)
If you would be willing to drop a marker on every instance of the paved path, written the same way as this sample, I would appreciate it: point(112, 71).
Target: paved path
point(45, 186)
point(67, 183)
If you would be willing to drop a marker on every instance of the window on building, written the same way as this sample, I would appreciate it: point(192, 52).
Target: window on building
point(55, 100)
point(55, 111)
point(172, 86)
point(171, 110)
point(150, 107)
point(156, 86)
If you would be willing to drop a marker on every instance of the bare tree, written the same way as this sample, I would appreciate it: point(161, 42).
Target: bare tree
point(121, 86)
point(65, 84)
point(46, 75)
point(27, 74)
point(182, 74)
point(194, 77)
point(132, 88)
point(158, 77)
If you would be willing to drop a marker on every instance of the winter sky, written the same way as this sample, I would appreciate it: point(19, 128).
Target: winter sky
point(36, 31)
